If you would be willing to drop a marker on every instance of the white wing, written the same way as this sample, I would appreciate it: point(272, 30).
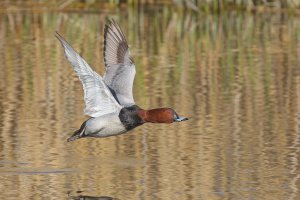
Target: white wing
point(97, 96)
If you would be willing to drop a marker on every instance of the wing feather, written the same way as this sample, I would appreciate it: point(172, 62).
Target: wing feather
point(120, 68)
point(98, 98)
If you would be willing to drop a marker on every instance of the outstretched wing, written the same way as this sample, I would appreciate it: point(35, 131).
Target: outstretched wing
point(120, 68)
point(98, 98)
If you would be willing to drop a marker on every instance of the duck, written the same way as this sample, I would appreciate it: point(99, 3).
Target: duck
point(109, 101)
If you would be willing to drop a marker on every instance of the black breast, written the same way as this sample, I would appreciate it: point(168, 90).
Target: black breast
point(130, 118)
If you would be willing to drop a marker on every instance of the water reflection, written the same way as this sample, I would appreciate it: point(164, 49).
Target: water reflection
point(237, 76)
point(81, 197)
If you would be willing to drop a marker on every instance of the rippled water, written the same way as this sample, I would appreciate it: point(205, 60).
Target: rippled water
point(237, 76)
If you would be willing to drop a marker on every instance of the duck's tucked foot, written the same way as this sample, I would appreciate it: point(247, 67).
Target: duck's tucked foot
point(78, 134)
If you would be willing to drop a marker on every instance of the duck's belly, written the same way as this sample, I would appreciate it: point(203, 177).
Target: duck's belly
point(104, 126)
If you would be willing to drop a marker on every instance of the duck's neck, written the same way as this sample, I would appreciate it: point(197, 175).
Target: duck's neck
point(158, 115)
point(129, 117)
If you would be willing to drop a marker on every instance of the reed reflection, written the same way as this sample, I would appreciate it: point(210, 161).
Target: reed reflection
point(237, 76)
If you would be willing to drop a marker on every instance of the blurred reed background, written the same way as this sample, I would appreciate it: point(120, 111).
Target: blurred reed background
point(195, 5)
point(236, 75)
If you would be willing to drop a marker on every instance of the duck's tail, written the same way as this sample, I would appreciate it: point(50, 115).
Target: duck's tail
point(78, 134)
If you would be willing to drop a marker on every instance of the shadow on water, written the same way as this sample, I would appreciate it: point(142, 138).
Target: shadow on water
point(236, 76)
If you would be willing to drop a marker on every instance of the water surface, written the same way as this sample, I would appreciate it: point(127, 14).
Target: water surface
point(236, 76)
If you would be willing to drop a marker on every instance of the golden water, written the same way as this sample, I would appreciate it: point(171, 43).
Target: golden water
point(236, 76)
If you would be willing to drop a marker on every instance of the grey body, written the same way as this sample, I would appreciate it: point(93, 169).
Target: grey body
point(104, 126)
point(110, 124)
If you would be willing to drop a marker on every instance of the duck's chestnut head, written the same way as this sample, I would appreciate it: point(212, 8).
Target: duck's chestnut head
point(161, 115)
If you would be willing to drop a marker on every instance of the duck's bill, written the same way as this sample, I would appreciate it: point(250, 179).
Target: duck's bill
point(180, 119)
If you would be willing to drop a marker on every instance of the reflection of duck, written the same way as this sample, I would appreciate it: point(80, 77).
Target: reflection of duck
point(109, 100)
point(81, 197)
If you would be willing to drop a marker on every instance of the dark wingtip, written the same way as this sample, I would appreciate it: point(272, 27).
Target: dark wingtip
point(111, 21)
point(57, 35)
point(60, 38)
